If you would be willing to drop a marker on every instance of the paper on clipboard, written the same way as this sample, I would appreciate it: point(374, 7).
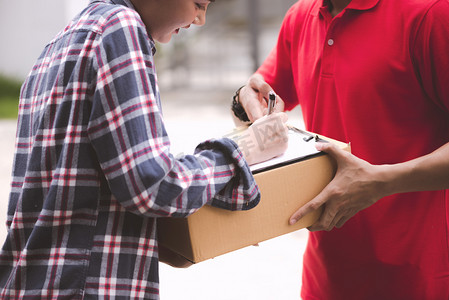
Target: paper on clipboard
point(301, 144)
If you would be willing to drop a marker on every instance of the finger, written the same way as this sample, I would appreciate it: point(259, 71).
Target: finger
point(261, 91)
point(280, 105)
point(280, 115)
point(331, 149)
point(258, 83)
point(309, 207)
point(327, 220)
point(342, 217)
point(317, 226)
point(283, 116)
point(249, 100)
point(332, 224)
point(342, 221)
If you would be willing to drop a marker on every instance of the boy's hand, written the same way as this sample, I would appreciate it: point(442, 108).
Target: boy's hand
point(266, 138)
point(253, 98)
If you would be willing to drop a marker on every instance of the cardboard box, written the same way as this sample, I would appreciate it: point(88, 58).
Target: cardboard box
point(211, 231)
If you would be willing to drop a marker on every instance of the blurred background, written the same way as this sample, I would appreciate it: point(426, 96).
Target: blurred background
point(198, 72)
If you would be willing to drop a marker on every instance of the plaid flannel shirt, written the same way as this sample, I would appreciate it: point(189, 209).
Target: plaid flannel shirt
point(93, 170)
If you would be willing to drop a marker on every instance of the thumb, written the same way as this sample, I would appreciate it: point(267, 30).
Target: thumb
point(331, 149)
point(282, 115)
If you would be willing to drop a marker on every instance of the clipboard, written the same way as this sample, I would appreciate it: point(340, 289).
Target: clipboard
point(301, 146)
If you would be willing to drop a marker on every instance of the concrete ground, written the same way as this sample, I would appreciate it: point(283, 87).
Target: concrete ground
point(269, 271)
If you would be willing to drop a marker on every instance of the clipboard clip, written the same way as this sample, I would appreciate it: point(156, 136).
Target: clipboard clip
point(308, 136)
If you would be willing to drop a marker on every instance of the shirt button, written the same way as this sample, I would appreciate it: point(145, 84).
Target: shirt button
point(330, 42)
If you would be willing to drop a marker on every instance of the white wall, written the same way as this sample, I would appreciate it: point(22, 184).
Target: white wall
point(26, 26)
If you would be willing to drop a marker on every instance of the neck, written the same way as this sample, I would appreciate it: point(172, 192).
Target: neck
point(338, 6)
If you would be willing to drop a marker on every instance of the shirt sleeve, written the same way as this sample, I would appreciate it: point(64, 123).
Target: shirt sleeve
point(276, 69)
point(430, 53)
point(129, 138)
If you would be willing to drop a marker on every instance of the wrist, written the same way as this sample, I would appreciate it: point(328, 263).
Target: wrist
point(389, 178)
point(237, 108)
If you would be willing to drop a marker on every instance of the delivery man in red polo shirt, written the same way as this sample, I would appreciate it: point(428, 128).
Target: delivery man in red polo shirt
point(374, 73)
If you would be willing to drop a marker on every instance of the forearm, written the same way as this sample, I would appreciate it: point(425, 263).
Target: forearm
point(429, 172)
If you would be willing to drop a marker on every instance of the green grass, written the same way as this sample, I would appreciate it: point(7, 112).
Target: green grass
point(9, 97)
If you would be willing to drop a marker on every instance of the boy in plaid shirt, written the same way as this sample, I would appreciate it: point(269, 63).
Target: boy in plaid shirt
point(93, 168)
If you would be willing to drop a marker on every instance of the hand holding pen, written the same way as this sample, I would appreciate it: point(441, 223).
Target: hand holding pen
point(268, 131)
point(254, 97)
point(271, 102)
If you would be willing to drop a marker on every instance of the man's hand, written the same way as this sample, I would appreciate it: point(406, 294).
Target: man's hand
point(253, 98)
point(356, 186)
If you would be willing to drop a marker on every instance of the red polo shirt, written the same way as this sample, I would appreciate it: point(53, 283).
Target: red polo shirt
point(376, 75)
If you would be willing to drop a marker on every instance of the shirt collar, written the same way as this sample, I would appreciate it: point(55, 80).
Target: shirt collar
point(128, 3)
point(354, 4)
point(362, 4)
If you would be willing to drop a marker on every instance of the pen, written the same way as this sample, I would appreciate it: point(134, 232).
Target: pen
point(271, 102)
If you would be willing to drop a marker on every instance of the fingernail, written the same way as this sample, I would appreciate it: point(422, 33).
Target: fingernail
point(293, 221)
point(319, 146)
